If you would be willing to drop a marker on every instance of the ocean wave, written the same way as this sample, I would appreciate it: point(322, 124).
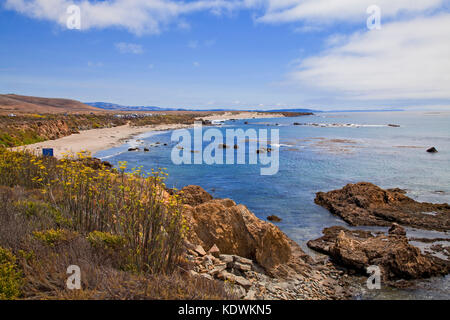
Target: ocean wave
point(278, 145)
point(112, 155)
point(343, 125)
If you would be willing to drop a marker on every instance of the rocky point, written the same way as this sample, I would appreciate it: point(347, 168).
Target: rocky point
point(254, 258)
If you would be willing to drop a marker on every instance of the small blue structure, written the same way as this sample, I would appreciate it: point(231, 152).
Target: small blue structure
point(47, 152)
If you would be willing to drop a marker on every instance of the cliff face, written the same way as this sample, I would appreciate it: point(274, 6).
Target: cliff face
point(22, 130)
point(51, 130)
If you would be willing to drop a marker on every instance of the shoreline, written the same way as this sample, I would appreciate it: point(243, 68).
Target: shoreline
point(96, 140)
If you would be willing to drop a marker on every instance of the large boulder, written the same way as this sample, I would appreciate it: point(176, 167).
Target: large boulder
point(364, 203)
point(237, 231)
point(396, 258)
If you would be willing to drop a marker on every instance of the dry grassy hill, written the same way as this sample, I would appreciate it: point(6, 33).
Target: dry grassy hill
point(12, 103)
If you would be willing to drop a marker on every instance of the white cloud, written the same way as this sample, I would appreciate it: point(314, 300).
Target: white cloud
point(196, 64)
point(338, 10)
point(403, 60)
point(152, 16)
point(308, 28)
point(137, 16)
point(133, 48)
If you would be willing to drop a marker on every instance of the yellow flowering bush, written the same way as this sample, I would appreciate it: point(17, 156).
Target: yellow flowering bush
point(10, 276)
point(131, 204)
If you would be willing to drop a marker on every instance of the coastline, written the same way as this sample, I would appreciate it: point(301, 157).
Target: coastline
point(96, 140)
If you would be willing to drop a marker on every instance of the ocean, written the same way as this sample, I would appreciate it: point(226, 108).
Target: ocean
point(325, 152)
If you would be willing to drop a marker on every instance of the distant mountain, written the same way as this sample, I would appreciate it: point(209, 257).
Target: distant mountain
point(118, 107)
point(293, 110)
point(362, 110)
point(25, 104)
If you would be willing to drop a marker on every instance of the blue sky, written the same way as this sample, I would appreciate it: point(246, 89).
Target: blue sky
point(252, 54)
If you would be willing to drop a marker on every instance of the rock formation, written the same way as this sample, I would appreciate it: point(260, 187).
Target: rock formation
point(251, 253)
point(396, 258)
point(364, 203)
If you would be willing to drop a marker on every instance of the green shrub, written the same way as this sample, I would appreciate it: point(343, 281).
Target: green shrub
point(41, 209)
point(10, 276)
point(106, 240)
point(52, 237)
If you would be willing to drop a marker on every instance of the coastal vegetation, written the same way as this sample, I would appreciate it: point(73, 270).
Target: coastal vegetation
point(27, 129)
point(120, 226)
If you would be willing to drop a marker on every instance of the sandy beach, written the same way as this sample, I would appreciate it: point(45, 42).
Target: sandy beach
point(101, 139)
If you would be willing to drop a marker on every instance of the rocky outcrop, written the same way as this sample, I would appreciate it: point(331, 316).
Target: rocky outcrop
point(246, 279)
point(96, 163)
point(235, 230)
point(396, 258)
point(241, 245)
point(364, 203)
point(194, 195)
point(274, 218)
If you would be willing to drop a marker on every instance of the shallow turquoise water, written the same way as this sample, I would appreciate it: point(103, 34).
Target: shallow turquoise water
point(326, 153)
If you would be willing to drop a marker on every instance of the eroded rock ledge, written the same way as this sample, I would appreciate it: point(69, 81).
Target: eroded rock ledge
point(396, 258)
point(229, 243)
point(365, 204)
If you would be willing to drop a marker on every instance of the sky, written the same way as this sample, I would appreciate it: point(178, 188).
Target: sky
point(237, 54)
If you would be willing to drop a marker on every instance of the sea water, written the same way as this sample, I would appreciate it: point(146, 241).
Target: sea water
point(325, 152)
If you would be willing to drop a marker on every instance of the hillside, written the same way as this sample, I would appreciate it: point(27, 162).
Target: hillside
point(118, 107)
point(12, 103)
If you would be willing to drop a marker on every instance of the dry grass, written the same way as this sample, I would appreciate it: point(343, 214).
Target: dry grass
point(121, 229)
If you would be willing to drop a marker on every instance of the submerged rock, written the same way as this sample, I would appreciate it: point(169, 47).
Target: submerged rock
point(264, 150)
point(364, 203)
